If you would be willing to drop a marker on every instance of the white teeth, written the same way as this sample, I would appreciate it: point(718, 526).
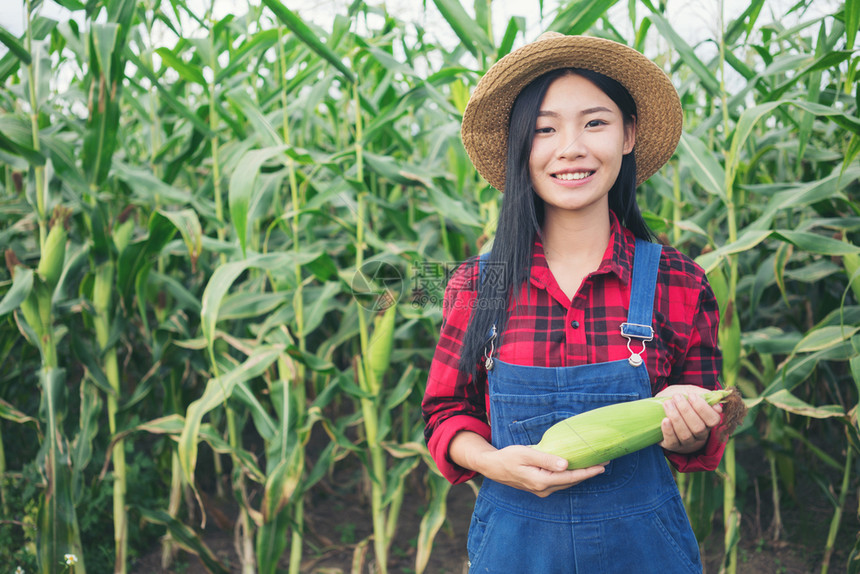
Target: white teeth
point(570, 176)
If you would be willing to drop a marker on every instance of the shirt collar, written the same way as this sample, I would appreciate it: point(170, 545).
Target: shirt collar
point(617, 259)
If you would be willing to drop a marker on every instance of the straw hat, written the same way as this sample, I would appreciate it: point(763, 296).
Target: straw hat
point(658, 108)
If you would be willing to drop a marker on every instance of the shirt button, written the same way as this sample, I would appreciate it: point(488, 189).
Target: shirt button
point(574, 324)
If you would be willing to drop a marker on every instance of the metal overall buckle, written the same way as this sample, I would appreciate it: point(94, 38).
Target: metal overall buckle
point(635, 359)
point(488, 355)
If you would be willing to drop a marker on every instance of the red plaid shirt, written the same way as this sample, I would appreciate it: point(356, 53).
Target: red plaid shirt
point(546, 329)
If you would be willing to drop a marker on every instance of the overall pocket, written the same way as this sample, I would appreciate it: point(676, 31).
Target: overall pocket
point(553, 408)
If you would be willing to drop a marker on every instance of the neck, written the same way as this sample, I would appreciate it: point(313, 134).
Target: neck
point(575, 236)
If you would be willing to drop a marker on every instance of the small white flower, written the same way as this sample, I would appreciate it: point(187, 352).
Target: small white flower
point(19, 570)
point(71, 559)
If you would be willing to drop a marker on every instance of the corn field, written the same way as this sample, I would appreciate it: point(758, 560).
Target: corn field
point(226, 241)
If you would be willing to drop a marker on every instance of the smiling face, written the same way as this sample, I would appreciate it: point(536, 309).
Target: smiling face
point(579, 140)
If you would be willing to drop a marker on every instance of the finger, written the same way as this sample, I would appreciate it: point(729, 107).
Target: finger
point(546, 461)
point(670, 439)
point(689, 426)
point(708, 413)
point(578, 475)
point(552, 482)
point(680, 429)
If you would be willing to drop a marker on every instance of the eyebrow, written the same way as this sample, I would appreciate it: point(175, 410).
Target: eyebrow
point(584, 112)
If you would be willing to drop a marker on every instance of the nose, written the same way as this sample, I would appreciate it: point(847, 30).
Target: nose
point(574, 146)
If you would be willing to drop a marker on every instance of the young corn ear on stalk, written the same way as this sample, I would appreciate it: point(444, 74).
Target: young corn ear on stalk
point(606, 433)
point(54, 252)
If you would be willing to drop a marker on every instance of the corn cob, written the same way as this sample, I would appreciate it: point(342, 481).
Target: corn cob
point(54, 251)
point(606, 433)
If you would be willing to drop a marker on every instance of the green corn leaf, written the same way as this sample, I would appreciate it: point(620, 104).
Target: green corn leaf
point(432, 520)
point(783, 254)
point(63, 160)
point(168, 97)
point(135, 260)
point(790, 403)
point(185, 537)
point(688, 56)
point(470, 33)
point(256, 45)
point(720, 287)
point(815, 243)
point(186, 71)
point(579, 17)
point(516, 25)
point(40, 28)
point(267, 134)
point(15, 46)
point(188, 224)
point(150, 189)
point(292, 21)
point(744, 23)
point(218, 390)
point(704, 166)
point(71, 5)
point(825, 338)
point(224, 276)
point(807, 193)
point(16, 136)
point(851, 152)
point(852, 22)
point(262, 420)
point(747, 241)
point(10, 413)
point(319, 303)
point(249, 305)
point(403, 389)
point(281, 484)
point(810, 65)
point(799, 368)
point(100, 136)
point(243, 187)
point(855, 369)
point(271, 541)
point(170, 424)
point(88, 428)
point(22, 285)
point(183, 298)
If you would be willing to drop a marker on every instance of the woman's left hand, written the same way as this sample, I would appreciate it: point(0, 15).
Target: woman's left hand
point(689, 418)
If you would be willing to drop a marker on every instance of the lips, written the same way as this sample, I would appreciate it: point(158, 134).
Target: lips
point(572, 176)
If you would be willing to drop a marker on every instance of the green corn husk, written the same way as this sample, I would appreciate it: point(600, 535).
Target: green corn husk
point(54, 251)
point(609, 432)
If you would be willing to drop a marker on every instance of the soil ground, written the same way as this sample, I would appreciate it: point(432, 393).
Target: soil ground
point(338, 530)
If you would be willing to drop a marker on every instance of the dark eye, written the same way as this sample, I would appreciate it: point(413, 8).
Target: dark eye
point(543, 130)
point(595, 124)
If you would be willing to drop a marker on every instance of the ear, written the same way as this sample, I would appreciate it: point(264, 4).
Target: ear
point(629, 135)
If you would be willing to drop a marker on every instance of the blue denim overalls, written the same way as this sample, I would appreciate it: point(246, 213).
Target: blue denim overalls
point(628, 519)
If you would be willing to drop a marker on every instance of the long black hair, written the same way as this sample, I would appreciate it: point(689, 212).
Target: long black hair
point(522, 213)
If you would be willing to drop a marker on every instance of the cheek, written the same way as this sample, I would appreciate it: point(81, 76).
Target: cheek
point(542, 150)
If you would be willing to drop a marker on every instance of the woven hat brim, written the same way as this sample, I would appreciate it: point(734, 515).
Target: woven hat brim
point(659, 116)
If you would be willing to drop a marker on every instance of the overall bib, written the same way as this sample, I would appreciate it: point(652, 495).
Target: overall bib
point(630, 519)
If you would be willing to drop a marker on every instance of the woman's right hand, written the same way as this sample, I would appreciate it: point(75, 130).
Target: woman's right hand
point(537, 472)
point(521, 467)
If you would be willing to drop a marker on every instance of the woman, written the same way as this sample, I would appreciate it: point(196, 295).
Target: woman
point(571, 310)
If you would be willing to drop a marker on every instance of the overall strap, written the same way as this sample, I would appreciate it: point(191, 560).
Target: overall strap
point(646, 262)
point(482, 264)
